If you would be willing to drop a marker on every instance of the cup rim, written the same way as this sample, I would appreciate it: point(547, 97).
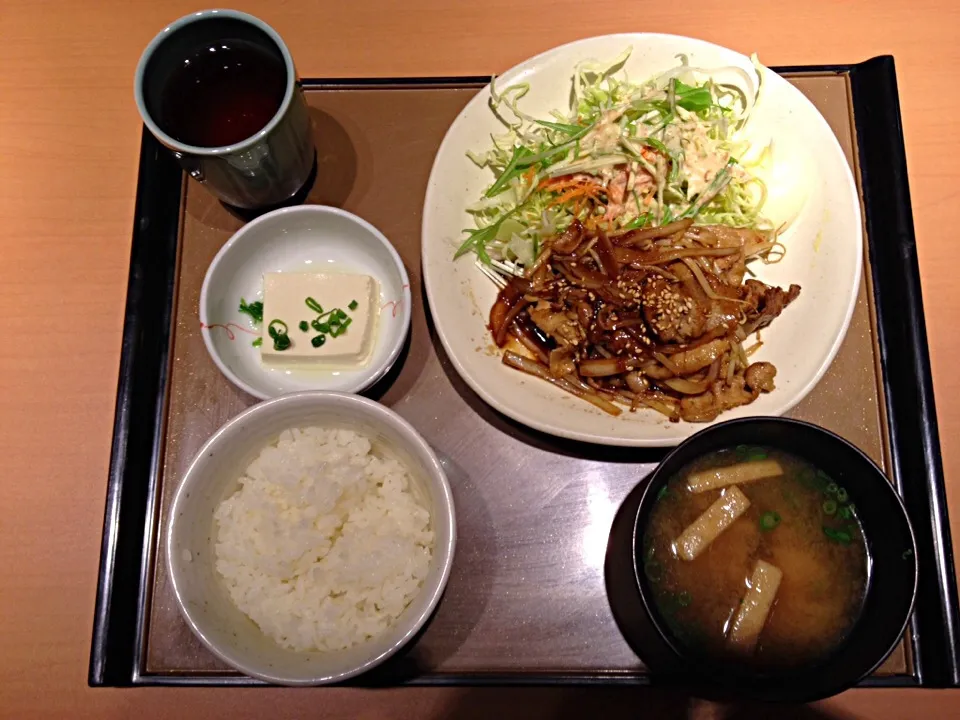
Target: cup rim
point(187, 20)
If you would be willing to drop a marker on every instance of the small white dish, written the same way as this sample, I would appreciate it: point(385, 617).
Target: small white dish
point(308, 238)
point(824, 244)
point(214, 475)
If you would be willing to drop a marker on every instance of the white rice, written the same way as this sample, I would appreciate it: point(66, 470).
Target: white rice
point(324, 544)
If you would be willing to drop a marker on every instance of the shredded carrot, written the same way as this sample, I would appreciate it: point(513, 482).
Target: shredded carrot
point(555, 186)
point(584, 191)
point(529, 175)
point(559, 183)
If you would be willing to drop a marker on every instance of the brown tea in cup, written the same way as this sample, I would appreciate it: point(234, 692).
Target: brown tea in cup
point(222, 94)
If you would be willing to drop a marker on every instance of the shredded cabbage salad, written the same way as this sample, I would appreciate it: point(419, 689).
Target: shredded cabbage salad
point(623, 156)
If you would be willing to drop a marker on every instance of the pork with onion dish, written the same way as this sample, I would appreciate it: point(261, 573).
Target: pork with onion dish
point(651, 318)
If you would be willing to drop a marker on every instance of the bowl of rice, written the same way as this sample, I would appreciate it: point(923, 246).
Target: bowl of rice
point(311, 538)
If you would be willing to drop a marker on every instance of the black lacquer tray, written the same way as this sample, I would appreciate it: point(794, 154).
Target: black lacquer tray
point(527, 601)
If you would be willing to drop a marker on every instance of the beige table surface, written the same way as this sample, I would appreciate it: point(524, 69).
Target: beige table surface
point(69, 137)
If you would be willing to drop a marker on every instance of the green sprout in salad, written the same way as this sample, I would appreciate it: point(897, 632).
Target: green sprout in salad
point(624, 155)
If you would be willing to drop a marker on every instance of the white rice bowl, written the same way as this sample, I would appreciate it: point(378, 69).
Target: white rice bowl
point(325, 543)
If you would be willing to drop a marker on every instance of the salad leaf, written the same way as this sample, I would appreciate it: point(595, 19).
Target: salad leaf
point(512, 170)
point(588, 162)
point(694, 99)
point(638, 222)
point(560, 127)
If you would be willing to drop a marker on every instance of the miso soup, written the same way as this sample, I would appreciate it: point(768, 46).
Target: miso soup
point(753, 554)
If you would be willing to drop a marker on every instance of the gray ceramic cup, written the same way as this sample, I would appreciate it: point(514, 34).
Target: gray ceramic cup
point(267, 168)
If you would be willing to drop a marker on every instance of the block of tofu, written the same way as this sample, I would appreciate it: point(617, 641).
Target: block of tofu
point(284, 298)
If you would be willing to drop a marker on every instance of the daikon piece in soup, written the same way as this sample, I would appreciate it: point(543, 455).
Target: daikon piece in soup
point(754, 554)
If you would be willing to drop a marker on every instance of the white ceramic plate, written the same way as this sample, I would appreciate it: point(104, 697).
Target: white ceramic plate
point(309, 238)
point(824, 244)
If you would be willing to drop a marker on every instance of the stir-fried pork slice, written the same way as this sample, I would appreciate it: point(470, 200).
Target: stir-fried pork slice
point(760, 375)
point(729, 268)
point(690, 361)
point(764, 303)
point(722, 310)
point(670, 311)
point(742, 390)
point(555, 324)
